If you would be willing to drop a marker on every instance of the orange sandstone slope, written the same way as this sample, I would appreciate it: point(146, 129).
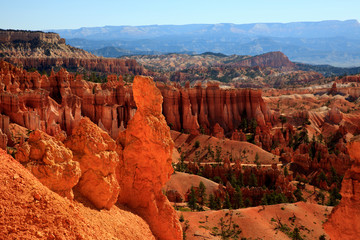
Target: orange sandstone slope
point(262, 222)
point(30, 210)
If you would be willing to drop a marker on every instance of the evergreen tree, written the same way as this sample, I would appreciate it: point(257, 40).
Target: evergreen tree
point(296, 234)
point(192, 199)
point(212, 203)
point(298, 194)
point(238, 198)
point(322, 177)
point(240, 180)
point(335, 196)
point(252, 180)
point(247, 202)
point(202, 193)
point(217, 203)
point(227, 203)
point(264, 200)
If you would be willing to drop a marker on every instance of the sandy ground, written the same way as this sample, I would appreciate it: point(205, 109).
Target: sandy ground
point(260, 222)
point(228, 147)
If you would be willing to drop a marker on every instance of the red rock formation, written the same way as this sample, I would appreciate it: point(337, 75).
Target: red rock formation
point(90, 63)
point(353, 78)
point(333, 89)
point(94, 149)
point(11, 36)
point(57, 102)
point(51, 162)
point(3, 140)
point(238, 135)
point(147, 143)
point(335, 116)
point(218, 131)
point(344, 221)
point(213, 105)
point(271, 59)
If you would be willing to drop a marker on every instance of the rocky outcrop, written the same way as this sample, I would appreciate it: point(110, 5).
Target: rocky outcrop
point(271, 59)
point(51, 162)
point(333, 89)
point(57, 102)
point(31, 211)
point(147, 162)
point(95, 151)
point(3, 140)
point(335, 116)
point(15, 44)
point(72, 61)
point(7, 36)
point(218, 131)
point(212, 105)
point(344, 221)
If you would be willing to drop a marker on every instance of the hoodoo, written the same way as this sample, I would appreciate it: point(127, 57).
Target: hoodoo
point(147, 162)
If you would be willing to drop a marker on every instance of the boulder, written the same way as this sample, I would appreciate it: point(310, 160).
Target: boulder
point(95, 151)
point(51, 162)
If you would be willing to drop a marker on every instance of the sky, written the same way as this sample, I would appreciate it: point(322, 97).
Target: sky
point(73, 14)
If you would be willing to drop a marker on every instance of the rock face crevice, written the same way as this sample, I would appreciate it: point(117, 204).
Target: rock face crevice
point(147, 162)
point(344, 221)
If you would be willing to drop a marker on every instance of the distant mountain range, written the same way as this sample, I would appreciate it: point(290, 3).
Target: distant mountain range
point(327, 42)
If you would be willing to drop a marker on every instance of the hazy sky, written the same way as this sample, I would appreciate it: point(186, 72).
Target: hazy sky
point(61, 14)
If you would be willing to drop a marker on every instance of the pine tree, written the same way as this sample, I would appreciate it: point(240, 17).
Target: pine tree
point(227, 203)
point(252, 180)
point(264, 200)
point(192, 199)
point(240, 180)
point(202, 193)
point(247, 202)
point(212, 203)
point(238, 198)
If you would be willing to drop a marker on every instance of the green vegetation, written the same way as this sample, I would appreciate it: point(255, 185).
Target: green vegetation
point(227, 229)
point(192, 203)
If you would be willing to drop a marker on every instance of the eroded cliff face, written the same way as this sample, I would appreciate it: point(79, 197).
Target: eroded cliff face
point(147, 143)
point(131, 171)
point(344, 221)
point(193, 108)
point(80, 60)
point(58, 102)
point(15, 44)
